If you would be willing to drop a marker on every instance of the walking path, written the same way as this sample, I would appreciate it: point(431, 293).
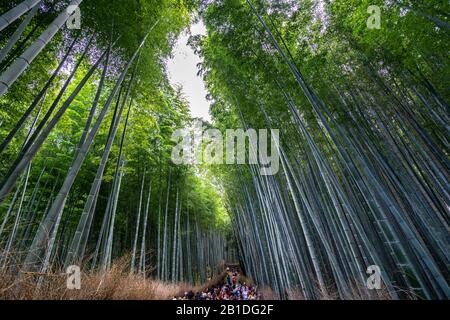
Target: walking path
point(232, 286)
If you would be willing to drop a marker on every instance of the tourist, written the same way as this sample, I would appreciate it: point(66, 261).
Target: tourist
point(231, 289)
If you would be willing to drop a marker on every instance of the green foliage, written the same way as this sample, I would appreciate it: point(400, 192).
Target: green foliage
point(156, 111)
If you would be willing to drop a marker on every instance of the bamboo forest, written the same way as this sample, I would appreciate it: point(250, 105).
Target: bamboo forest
point(352, 96)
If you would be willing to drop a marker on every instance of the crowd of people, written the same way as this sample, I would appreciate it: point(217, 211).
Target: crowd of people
point(231, 289)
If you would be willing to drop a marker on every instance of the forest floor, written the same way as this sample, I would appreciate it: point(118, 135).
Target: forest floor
point(115, 284)
point(119, 284)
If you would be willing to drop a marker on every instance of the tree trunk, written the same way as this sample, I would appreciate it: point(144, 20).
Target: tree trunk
point(38, 98)
point(18, 67)
point(16, 35)
point(15, 13)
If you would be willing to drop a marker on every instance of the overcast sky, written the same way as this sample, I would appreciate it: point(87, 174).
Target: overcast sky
point(183, 70)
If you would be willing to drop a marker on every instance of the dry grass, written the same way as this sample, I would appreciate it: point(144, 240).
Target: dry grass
point(115, 284)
